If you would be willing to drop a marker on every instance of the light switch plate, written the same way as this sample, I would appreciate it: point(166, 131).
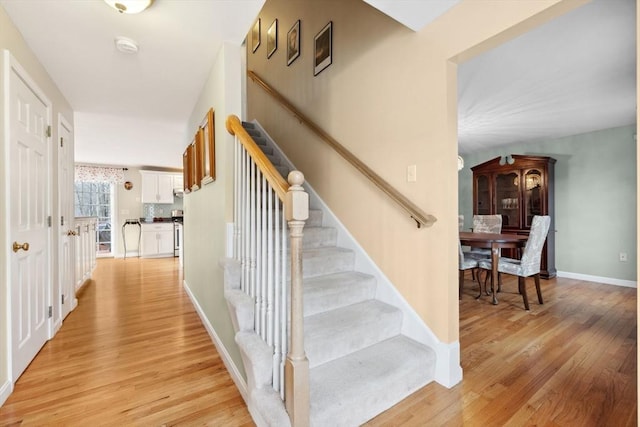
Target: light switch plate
point(412, 174)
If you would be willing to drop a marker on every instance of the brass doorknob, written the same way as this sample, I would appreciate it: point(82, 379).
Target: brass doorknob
point(17, 246)
point(71, 233)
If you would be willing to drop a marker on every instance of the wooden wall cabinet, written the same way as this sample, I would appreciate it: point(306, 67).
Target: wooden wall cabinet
point(518, 191)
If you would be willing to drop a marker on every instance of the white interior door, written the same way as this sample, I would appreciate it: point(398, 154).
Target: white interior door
point(66, 225)
point(29, 172)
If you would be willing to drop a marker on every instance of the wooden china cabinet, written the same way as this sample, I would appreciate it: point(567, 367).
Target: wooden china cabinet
point(518, 191)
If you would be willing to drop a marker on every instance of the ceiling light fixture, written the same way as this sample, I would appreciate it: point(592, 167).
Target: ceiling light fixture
point(126, 45)
point(129, 6)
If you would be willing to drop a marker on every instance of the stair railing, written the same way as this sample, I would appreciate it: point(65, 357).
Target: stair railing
point(264, 206)
point(418, 215)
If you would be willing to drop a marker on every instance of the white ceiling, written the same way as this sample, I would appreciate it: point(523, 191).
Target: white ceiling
point(131, 109)
point(573, 75)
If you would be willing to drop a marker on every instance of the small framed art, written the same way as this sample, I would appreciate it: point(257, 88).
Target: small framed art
point(255, 36)
point(293, 43)
point(209, 144)
point(322, 55)
point(272, 38)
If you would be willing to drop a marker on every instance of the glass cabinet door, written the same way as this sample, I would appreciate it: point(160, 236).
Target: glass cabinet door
point(483, 196)
point(532, 196)
point(507, 199)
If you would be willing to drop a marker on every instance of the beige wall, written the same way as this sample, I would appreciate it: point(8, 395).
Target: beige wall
point(12, 40)
point(209, 209)
point(390, 98)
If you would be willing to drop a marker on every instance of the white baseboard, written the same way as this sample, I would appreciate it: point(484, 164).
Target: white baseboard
point(598, 279)
point(132, 254)
point(5, 391)
point(448, 369)
point(241, 384)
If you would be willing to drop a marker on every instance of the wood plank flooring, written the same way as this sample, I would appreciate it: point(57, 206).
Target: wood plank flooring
point(569, 362)
point(135, 353)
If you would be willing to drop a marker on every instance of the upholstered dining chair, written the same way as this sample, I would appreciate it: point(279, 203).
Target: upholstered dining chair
point(485, 224)
point(529, 264)
point(465, 264)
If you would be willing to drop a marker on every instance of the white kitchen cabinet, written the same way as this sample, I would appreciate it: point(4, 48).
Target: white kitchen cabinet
point(157, 187)
point(157, 240)
point(178, 182)
point(85, 245)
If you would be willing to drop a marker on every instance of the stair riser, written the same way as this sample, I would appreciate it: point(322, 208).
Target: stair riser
point(315, 237)
point(337, 291)
point(326, 264)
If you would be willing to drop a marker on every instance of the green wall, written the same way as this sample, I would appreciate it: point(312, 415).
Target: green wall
point(595, 199)
point(209, 209)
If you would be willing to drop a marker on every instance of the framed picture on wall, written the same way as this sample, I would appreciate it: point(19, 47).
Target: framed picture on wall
point(186, 170)
point(293, 43)
point(209, 156)
point(199, 158)
point(255, 36)
point(272, 38)
point(323, 47)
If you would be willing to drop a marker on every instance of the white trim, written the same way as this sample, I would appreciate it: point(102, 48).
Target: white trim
point(598, 279)
point(130, 254)
point(237, 378)
point(8, 350)
point(448, 370)
point(229, 240)
point(5, 391)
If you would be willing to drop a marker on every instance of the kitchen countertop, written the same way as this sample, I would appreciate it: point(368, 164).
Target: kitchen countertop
point(156, 220)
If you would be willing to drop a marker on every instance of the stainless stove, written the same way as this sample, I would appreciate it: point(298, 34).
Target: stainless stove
point(177, 217)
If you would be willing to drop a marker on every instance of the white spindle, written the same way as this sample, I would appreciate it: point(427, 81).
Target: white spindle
point(261, 233)
point(244, 221)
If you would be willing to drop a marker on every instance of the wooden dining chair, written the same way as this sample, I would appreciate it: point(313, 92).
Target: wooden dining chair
point(464, 264)
point(529, 264)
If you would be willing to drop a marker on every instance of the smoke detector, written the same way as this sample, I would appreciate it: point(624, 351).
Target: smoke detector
point(126, 45)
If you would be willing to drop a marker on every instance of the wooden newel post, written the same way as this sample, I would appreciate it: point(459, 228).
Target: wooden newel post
point(297, 366)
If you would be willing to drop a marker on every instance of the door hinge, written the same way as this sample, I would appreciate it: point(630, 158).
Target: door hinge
point(62, 298)
point(61, 142)
point(62, 220)
point(50, 311)
point(49, 131)
point(49, 220)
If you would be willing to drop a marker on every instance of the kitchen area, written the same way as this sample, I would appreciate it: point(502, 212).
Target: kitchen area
point(149, 210)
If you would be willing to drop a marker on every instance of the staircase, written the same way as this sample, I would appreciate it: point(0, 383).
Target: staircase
point(360, 362)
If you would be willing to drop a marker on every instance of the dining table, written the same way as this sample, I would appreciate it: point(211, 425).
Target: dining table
point(495, 242)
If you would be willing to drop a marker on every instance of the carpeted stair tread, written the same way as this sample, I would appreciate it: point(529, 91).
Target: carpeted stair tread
point(353, 389)
point(331, 291)
point(336, 333)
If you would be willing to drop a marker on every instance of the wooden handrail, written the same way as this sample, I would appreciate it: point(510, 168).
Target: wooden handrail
point(280, 186)
point(414, 211)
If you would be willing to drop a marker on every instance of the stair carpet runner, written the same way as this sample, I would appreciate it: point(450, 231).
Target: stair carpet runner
point(360, 363)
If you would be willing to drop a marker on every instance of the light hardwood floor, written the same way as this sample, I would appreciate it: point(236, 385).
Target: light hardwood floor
point(134, 353)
